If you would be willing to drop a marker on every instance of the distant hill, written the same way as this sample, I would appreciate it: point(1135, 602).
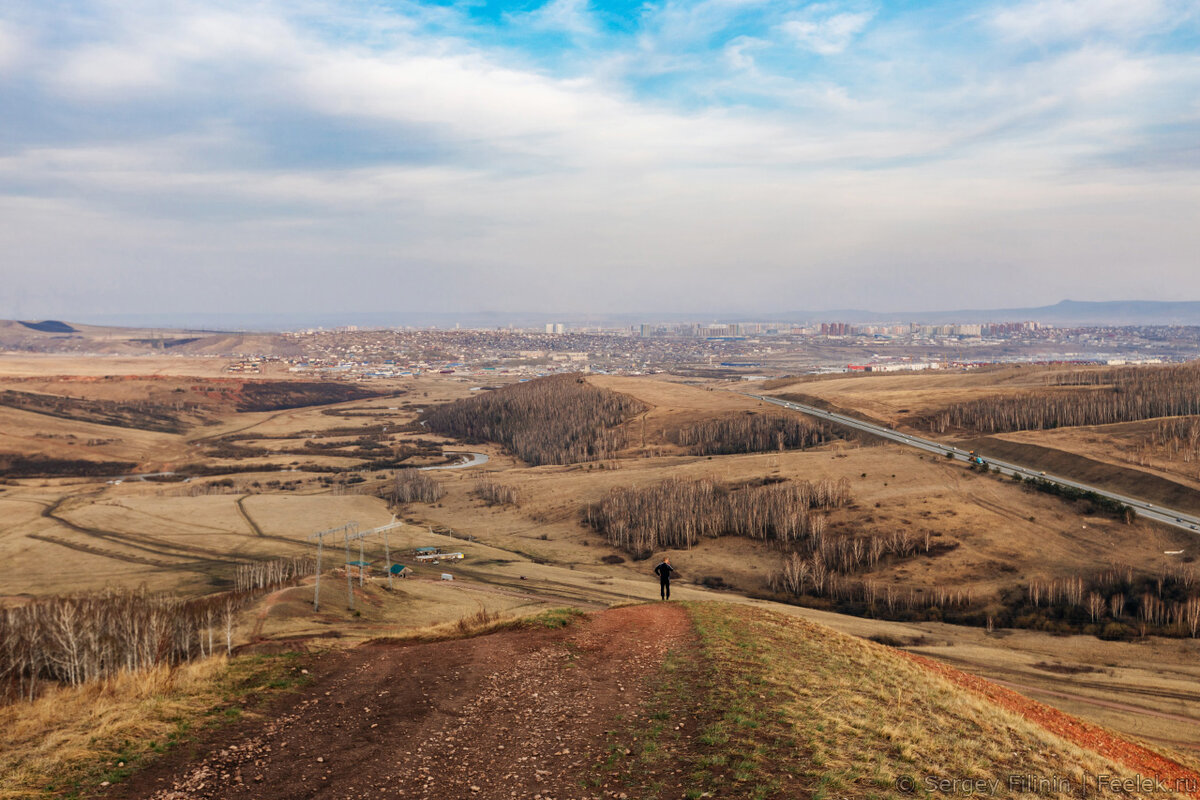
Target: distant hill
point(50, 326)
point(1066, 312)
point(1076, 312)
point(1063, 313)
point(54, 336)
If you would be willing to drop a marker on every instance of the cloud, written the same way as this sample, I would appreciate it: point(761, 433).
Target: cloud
point(158, 53)
point(1050, 21)
point(738, 52)
point(570, 16)
point(11, 49)
point(112, 69)
point(824, 32)
point(420, 151)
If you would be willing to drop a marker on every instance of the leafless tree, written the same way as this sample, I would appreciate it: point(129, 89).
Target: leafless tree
point(495, 494)
point(1096, 397)
point(680, 512)
point(750, 432)
point(414, 486)
point(561, 419)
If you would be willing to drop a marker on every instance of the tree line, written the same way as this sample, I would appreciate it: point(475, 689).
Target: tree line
point(749, 433)
point(813, 577)
point(561, 419)
point(77, 638)
point(1099, 397)
point(1117, 601)
point(269, 574)
point(679, 512)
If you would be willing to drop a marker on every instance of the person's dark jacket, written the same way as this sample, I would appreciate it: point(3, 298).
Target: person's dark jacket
point(663, 571)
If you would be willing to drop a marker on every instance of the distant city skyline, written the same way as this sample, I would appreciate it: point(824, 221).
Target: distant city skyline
point(595, 157)
point(1065, 313)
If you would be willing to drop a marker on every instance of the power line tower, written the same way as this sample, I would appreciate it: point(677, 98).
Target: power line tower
point(361, 563)
point(320, 537)
point(387, 550)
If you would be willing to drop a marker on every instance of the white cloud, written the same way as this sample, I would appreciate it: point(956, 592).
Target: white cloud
point(11, 49)
point(572, 16)
point(738, 52)
point(826, 34)
point(1047, 21)
point(105, 68)
point(901, 155)
point(153, 54)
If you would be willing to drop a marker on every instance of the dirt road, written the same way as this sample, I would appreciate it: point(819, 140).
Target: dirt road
point(516, 714)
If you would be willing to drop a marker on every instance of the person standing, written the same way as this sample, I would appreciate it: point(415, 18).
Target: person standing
point(663, 571)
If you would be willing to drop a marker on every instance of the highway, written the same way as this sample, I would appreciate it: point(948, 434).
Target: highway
point(1177, 519)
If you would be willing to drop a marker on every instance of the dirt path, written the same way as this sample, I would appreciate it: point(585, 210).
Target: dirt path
point(257, 531)
point(515, 714)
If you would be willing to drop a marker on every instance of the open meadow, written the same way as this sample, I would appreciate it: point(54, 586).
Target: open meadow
point(872, 539)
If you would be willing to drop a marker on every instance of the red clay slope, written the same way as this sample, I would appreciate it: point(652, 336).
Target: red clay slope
point(1141, 760)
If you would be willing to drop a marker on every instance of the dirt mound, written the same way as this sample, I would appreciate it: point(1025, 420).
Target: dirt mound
point(521, 712)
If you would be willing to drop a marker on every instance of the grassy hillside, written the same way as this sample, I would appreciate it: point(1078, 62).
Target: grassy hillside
point(755, 704)
point(791, 708)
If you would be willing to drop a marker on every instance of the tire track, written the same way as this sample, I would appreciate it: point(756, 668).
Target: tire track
point(257, 531)
point(97, 551)
point(148, 544)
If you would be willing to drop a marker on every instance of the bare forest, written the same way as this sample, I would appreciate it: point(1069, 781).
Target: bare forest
point(79, 638)
point(414, 486)
point(1174, 439)
point(496, 494)
point(561, 419)
point(750, 433)
point(679, 512)
point(1096, 397)
point(1119, 603)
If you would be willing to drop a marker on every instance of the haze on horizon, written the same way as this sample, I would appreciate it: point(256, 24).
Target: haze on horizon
point(604, 156)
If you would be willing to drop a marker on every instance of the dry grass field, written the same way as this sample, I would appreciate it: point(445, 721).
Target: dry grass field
point(893, 397)
point(867, 720)
point(1126, 445)
point(990, 533)
point(61, 534)
point(1124, 456)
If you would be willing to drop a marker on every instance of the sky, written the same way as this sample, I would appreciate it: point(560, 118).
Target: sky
point(718, 155)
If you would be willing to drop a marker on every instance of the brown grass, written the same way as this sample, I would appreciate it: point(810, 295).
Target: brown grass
point(989, 520)
point(77, 737)
point(862, 721)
